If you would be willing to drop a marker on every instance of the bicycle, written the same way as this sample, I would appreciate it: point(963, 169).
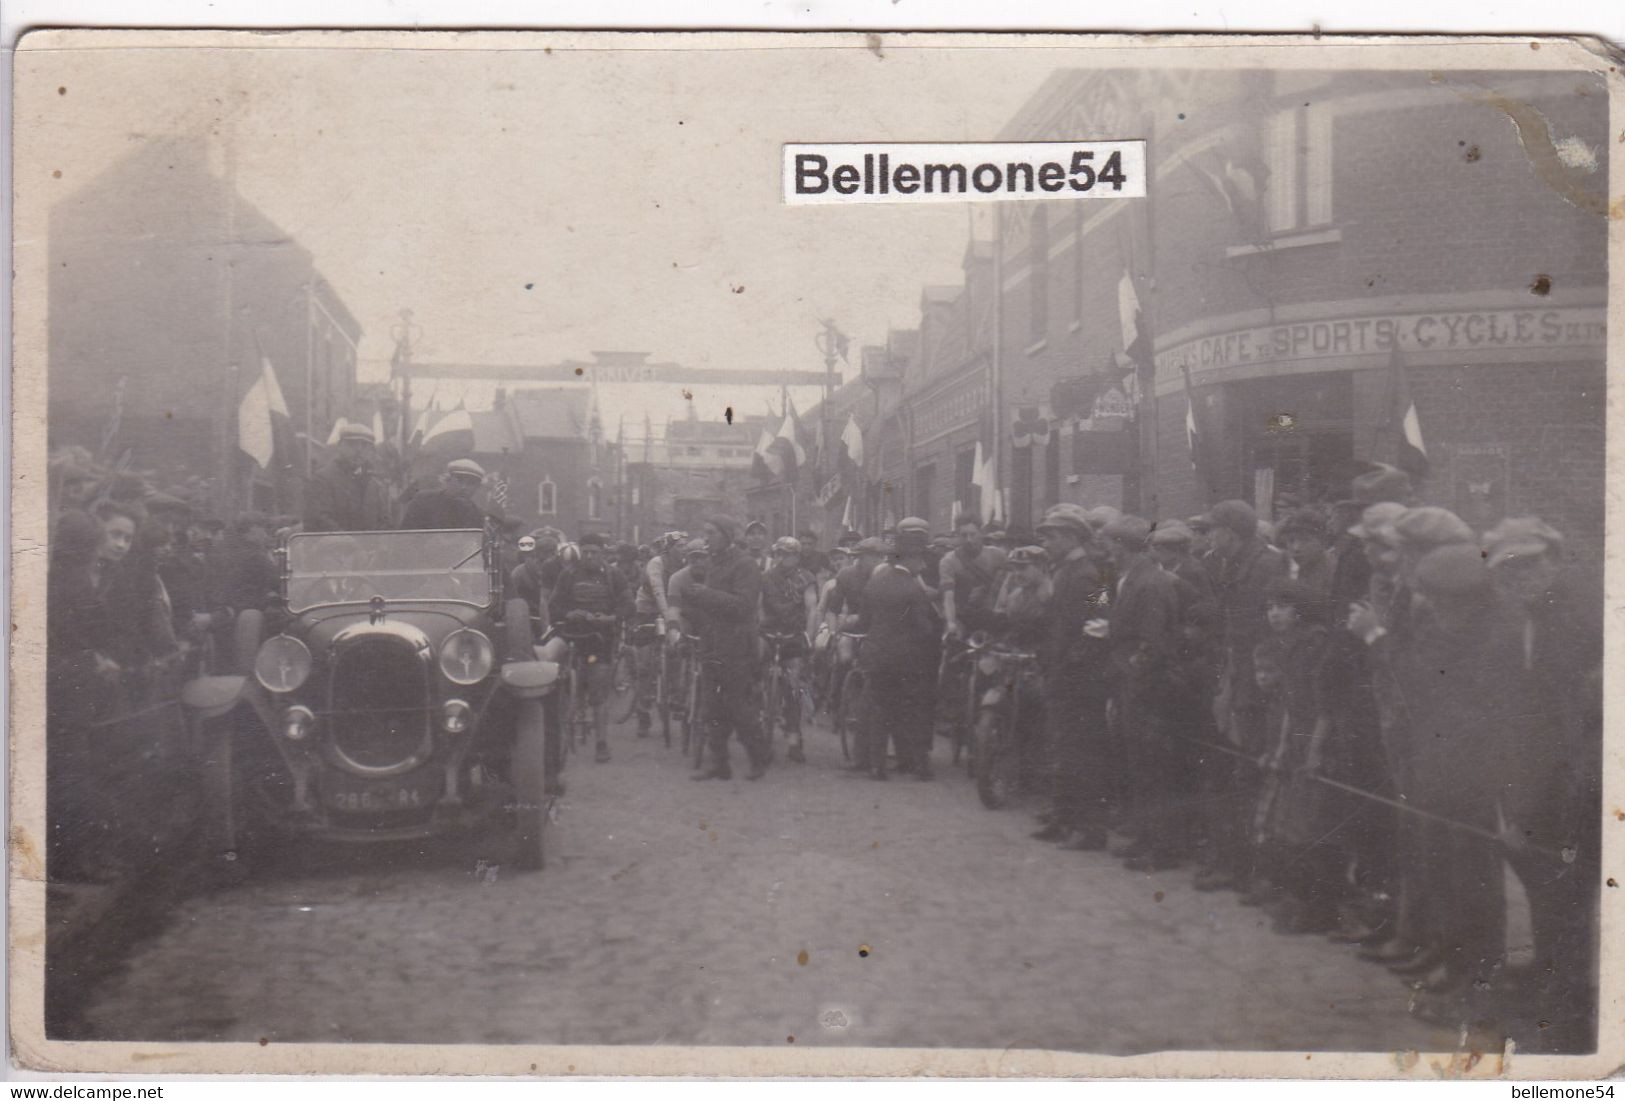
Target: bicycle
point(693, 701)
point(778, 692)
point(846, 712)
point(575, 698)
point(997, 748)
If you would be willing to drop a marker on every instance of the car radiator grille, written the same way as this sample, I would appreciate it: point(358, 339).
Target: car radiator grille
point(378, 713)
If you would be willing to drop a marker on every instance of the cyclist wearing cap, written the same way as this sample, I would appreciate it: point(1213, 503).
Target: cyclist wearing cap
point(1023, 601)
point(593, 599)
point(694, 556)
point(790, 607)
point(651, 610)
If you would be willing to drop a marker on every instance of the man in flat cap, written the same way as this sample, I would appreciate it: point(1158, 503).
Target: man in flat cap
point(1145, 644)
point(452, 505)
point(899, 656)
point(725, 610)
point(1559, 614)
point(343, 495)
point(1075, 657)
point(1245, 569)
point(1466, 687)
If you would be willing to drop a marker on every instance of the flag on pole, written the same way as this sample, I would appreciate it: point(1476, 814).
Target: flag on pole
point(987, 488)
point(1412, 456)
point(852, 437)
point(1132, 318)
point(766, 463)
point(257, 415)
point(849, 517)
point(452, 432)
point(792, 454)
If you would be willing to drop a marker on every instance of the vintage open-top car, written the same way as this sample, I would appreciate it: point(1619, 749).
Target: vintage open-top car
point(392, 696)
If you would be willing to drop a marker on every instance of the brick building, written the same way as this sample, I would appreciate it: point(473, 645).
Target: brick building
point(548, 445)
point(166, 290)
point(1310, 239)
point(694, 469)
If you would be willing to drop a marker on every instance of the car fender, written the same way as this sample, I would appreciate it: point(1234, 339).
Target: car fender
point(530, 679)
point(212, 697)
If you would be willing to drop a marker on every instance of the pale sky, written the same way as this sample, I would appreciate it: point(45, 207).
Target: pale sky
point(531, 207)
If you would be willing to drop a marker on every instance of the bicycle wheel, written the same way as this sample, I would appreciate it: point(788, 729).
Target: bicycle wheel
point(663, 686)
point(846, 718)
point(695, 723)
point(996, 765)
point(770, 704)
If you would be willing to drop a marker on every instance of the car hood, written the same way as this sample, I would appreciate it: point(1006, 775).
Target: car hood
point(317, 628)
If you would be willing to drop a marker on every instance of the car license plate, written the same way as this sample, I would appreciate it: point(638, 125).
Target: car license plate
point(416, 791)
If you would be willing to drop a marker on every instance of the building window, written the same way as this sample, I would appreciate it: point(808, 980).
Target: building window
point(547, 498)
point(924, 483)
point(1038, 274)
point(964, 475)
point(1298, 144)
point(595, 499)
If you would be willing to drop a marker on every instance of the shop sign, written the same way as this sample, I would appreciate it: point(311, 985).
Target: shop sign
point(1457, 330)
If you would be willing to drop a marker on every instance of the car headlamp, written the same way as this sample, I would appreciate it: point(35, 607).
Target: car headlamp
point(282, 664)
point(455, 716)
point(297, 723)
point(466, 657)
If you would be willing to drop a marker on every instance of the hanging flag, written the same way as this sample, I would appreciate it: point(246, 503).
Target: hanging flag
point(766, 463)
point(452, 432)
point(987, 488)
point(852, 437)
point(497, 493)
point(1412, 456)
point(1135, 343)
point(378, 425)
point(257, 416)
point(792, 454)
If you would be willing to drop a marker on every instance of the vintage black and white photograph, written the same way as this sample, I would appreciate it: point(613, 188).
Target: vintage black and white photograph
point(510, 556)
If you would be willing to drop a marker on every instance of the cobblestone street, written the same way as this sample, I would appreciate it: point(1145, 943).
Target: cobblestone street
point(807, 905)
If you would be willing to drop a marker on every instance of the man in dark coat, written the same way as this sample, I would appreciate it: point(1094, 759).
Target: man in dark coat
point(1463, 681)
point(1145, 646)
point(724, 609)
point(899, 656)
point(343, 495)
point(1244, 568)
point(450, 506)
point(1552, 803)
point(1075, 659)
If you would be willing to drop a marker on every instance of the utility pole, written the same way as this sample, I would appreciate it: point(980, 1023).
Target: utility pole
point(831, 343)
point(401, 366)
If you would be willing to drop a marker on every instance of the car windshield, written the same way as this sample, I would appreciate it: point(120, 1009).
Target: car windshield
point(351, 567)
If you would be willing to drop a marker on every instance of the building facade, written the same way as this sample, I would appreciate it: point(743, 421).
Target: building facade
point(1314, 246)
point(168, 294)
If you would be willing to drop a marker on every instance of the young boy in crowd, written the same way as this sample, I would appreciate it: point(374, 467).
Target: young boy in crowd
point(1289, 817)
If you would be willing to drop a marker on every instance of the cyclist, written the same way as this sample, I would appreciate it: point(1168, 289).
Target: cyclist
point(842, 605)
point(789, 608)
point(650, 619)
point(592, 598)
